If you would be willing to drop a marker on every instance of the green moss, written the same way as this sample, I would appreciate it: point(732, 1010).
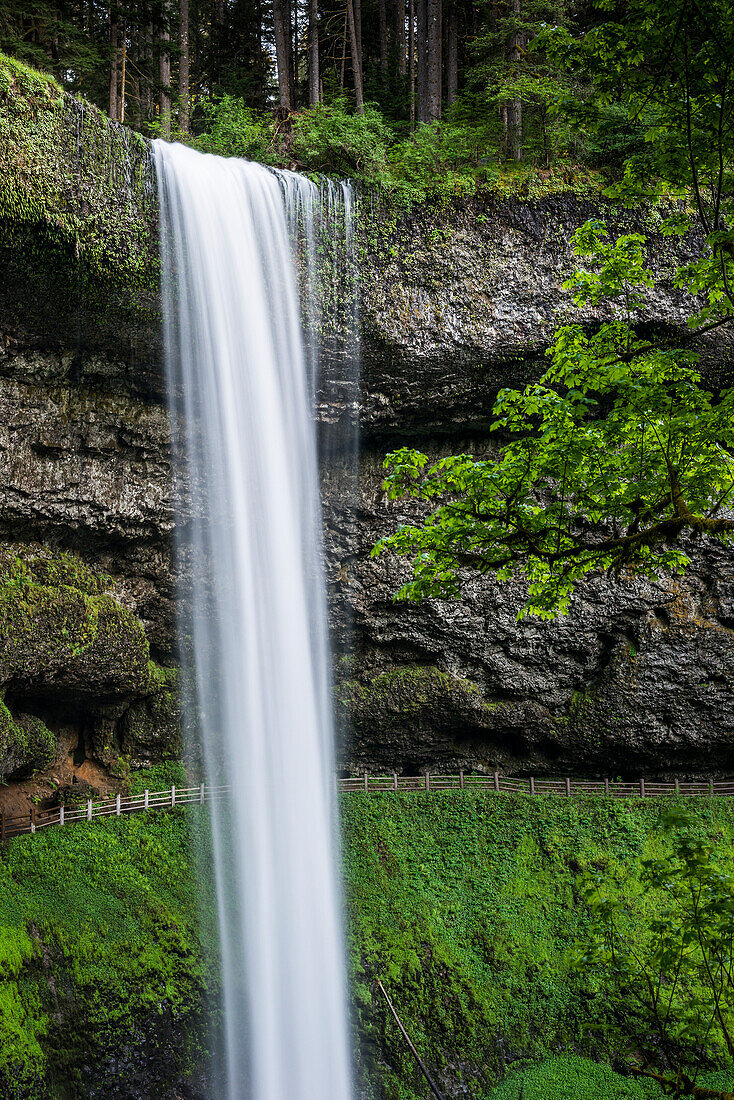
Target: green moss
point(151, 727)
point(101, 956)
point(574, 1078)
point(65, 638)
point(26, 744)
point(466, 907)
point(78, 214)
point(408, 689)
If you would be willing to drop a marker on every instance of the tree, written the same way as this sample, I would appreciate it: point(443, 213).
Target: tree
point(183, 67)
point(667, 972)
point(314, 79)
point(434, 69)
point(617, 451)
point(281, 20)
point(604, 463)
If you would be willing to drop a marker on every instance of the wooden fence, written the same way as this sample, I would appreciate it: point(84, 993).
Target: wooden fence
point(119, 805)
point(502, 784)
point(116, 806)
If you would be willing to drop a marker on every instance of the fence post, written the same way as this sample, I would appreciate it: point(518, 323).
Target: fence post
point(428, 781)
point(61, 816)
point(461, 779)
point(497, 782)
point(394, 781)
point(33, 819)
point(146, 797)
point(711, 788)
point(365, 783)
point(89, 809)
point(677, 785)
point(173, 795)
point(2, 826)
point(568, 787)
point(118, 810)
point(642, 788)
point(532, 784)
point(201, 792)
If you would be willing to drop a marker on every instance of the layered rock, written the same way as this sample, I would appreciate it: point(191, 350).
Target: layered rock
point(457, 301)
point(638, 678)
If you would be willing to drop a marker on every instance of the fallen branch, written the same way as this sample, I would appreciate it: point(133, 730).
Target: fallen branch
point(416, 1055)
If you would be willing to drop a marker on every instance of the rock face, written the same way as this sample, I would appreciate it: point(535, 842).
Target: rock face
point(456, 302)
point(637, 680)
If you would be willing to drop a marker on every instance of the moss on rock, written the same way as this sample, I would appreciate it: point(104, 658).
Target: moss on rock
point(151, 727)
point(68, 646)
point(26, 744)
point(103, 974)
point(412, 706)
point(78, 217)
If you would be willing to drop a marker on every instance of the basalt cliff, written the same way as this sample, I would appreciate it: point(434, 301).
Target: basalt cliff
point(457, 301)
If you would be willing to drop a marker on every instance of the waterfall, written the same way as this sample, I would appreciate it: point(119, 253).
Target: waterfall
point(254, 613)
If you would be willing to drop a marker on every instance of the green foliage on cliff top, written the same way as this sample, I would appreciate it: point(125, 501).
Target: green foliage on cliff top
point(467, 907)
point(100, 952)
point(439, 161)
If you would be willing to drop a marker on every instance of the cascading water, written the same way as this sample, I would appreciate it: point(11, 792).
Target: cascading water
point(249, 553)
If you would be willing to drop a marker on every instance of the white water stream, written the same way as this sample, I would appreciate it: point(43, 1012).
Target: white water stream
point(250, 559)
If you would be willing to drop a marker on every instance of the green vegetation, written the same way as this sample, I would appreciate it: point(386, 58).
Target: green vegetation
point(667, 966)
point(76, 205)
point(101, 955)
point(611, 456)
point(467, 907)
point(575, 1078)
point(618, 450)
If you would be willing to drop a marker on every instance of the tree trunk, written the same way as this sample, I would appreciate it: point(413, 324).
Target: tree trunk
point(164, 75)
point(218, 34)
point(344, 48)
point(123, 72)
point(114, 61)
point(282, 53)
point(434, 60)
point(293, 13)
point(411, 60)
point(183, 67)
point(357, 9)
point(399, 22)
point(421, 47)
point(383, 42)
point(452, 55)
point(146, 94)
point(313, 52)
point(356, 58)
point(514, 112)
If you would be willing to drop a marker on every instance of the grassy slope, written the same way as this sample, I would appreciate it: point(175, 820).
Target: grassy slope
point(464, 904)
point(100, 956)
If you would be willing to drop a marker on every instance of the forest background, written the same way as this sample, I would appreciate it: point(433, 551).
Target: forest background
point(416, 96)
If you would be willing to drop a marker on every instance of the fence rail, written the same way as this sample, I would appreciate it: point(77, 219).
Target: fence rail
point(119, 805)
point(564, 787)
point(116, 806)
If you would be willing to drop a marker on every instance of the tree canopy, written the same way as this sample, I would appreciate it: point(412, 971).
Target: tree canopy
point(618, 451)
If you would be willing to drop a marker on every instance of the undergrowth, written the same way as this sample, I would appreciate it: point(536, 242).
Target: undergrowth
point(466, 907)
point(101, 954)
